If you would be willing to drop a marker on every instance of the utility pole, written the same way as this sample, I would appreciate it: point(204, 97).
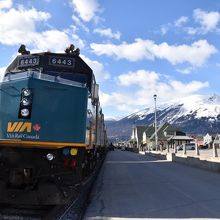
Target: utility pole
point(155, 118)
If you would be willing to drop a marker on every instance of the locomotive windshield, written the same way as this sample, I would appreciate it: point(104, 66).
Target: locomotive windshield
point(64, 66)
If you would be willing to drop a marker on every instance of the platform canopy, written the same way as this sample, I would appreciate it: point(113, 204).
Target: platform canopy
point(180, 137)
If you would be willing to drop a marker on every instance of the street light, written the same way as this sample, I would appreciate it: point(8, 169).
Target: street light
point(155, 118)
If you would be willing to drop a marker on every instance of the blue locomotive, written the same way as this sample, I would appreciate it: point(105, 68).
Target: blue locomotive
point(52, 127)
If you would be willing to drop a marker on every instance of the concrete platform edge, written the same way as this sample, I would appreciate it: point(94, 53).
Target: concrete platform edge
point(188, 160)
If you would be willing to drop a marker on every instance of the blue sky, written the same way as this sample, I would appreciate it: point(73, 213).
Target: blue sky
point(135, 48)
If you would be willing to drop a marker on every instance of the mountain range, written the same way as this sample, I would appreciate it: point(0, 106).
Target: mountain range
point(195, 115)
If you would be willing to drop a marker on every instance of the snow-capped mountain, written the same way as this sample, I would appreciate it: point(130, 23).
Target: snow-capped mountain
point(197, 114)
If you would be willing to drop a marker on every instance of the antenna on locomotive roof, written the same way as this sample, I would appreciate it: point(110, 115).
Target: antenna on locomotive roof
point(71, 50)
point(22, 50)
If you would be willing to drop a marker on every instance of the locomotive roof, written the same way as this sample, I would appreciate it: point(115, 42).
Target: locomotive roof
point(44, 62)
point(51, 62)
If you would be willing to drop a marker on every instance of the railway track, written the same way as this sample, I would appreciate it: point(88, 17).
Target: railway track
point(72, 211)
point(75, 210)
point(26, 212)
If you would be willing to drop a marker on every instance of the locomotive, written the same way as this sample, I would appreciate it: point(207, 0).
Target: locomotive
point(52, 127)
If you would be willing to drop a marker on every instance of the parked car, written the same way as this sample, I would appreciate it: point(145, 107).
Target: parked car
point(189, 146)
point(179, 147)
point(204, 146)
point(123, 148)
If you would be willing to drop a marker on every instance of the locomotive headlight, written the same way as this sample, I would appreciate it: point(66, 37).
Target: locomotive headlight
point(50, 156)
point(25, 102)
point(26, 92)
point(25, 112)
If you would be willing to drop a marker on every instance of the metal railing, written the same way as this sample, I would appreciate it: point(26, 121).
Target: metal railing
point(212, 152)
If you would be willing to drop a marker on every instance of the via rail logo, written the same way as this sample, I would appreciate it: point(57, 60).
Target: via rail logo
point(21, 127)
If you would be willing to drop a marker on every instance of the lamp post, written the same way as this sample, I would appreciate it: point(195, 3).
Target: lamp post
point(155, 118)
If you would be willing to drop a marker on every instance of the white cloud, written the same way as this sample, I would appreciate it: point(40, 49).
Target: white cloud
point(182, 20)
point(187, 70)
point(185, 89)
point(52, 40)
point(144, 85)
point(15, 25)
point(5, 4)
point(164, 29)
point(207, 20)
point(98, 69)
point(108, 33)
point(132, 52)
point(140, 77)
point(191, 30)
point(196, 54)
point(86, 10)
point(80, 23)
point(151, 81)
point(176, 24)
point(19, 26)
point(123, 102)
point(170, 90)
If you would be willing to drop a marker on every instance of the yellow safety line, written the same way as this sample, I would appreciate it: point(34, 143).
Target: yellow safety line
point(41, 144)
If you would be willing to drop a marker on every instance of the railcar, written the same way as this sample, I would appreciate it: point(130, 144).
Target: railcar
point(52, 127)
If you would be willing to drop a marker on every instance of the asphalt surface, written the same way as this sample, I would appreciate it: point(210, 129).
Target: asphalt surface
point(134, 186)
